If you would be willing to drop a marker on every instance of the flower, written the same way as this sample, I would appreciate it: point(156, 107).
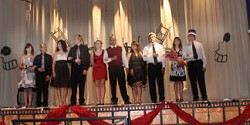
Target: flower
point(172, 55)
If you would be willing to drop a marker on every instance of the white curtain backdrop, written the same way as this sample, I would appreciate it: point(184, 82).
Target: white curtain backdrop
point(21, 23)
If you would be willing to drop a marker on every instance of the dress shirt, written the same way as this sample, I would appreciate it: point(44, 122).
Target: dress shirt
point(148, 53)
point(124, 57)
point(188, 52)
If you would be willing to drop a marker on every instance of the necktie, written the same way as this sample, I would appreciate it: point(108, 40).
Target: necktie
point(194, 51)
point(42, 64)
point(155, 58)
point(78, 53)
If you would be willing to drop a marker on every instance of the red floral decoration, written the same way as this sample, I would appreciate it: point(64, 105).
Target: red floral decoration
point(56, 113)
point(83, 112)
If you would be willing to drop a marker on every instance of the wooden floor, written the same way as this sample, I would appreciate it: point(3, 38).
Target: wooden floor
point(216, 111)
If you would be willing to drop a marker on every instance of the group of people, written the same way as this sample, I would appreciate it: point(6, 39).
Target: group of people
point(38, 71)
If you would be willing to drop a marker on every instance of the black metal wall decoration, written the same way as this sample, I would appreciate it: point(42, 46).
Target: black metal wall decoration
point(218, 57)
point(9, 65)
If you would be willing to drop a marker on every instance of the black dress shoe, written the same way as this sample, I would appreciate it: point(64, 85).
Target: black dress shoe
point(82, 103)
point(204, 99)
point(114, 102)
point(127, 102)
point(195, 99)
point(72, 103)
point(153, 101)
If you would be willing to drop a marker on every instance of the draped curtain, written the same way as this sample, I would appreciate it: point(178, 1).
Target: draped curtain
point(22, 22)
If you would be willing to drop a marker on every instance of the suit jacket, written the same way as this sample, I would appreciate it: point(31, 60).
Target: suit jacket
point(84, 57)
point(47, 62)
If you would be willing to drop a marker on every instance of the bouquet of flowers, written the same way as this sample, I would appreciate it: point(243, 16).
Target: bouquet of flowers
point(171, 54)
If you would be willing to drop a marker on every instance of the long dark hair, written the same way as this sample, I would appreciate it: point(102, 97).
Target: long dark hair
point(27, 46)
point(63, 44)
point(179, 39)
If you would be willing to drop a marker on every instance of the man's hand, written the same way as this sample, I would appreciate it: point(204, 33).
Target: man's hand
point(77, 60)
point(84, 72)
point(47, 78)
point(204, 69)
point(131, 72)
point(163, 70)
point(41, 69)
point(114, 58)
point(155, 54)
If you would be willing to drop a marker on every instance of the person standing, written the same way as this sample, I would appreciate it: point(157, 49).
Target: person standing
point(79, 58)
point(43, 71)
point(117, 60)
point(137, 71)
point(99, 71)
point(61, 72)
point(153, 55)
point(194, 53)
point(177, 72)
point(27, 81)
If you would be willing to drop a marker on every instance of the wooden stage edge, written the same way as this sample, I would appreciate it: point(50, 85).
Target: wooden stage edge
point(214, 111)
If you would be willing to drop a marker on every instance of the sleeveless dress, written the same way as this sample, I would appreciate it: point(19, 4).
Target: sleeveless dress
point(139, 66)
point(177, 73)
point(27, 74)
point(99, 67)
point(62, 71)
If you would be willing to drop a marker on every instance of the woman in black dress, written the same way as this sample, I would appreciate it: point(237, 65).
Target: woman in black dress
point(137, 71)
point(60, 72)
point(177, 73)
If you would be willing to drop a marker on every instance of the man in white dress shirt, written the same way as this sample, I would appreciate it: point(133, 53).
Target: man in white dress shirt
point(194, 53)
point(153, 55)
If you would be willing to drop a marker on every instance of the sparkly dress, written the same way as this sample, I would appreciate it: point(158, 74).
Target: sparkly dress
point(139, 66)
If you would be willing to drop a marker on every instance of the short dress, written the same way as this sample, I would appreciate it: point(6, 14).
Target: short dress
point(177, 73)
point(99, 67)
point(27, 74)
point(62, 72)
point(139, 66)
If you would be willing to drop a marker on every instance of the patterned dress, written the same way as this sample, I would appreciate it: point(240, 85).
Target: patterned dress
point(27, 74)
point(177, 73)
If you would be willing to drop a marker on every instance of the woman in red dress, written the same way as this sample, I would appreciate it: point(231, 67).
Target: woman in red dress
point(99, 71)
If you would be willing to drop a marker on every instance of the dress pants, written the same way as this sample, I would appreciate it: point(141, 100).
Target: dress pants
point(77, 78)
point(117, 72)
point(42, 90)
point(155, 72)
point(195, 73)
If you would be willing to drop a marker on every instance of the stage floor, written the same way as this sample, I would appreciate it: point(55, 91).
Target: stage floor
point(216, 111)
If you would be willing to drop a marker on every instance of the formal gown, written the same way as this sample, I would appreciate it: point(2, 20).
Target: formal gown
point(27, 74)
point(99, 67)
point(62, 71)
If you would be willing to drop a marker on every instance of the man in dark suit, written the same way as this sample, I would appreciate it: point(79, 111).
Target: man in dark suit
point(43, 70)
point(80, 61)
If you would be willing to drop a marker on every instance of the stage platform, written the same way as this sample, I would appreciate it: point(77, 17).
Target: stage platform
point(214, 111)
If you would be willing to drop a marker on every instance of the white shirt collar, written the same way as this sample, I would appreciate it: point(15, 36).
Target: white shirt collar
point(113, 46)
